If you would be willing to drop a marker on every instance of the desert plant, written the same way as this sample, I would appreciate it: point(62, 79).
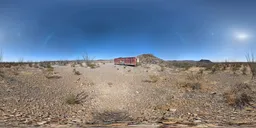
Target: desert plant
point(193, 85)
point(184, 65)
point(152, 79)
point(234, 68)
point(251, 64)
point(76, 99)
point(201, 72)
point(89, 61)
point(244, 70)
point(76, 72)
point(30, 64)
point(239, 95)
point(21, 60)
point(194, 76)
point(213, 70)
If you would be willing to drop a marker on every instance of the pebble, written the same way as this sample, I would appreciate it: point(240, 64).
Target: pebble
point(172, 109)
point(42, 122)
point(197, 121)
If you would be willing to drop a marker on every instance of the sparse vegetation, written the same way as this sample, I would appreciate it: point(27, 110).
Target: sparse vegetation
point(239, 95)
point(152, 79)
point(76, 99)
point(76, 72)
point(194, 76)
point(184, 65)
point(89, 61)
point(53, 76)
point(251, 64)
point(244, 70)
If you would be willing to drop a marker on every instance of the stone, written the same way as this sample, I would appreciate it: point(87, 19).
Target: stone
point(197, 121)
point(42, 122)
point(172, 109)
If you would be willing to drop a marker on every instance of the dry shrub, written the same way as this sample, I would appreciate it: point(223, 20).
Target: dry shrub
point(76, 99)
point(53, 76)
point(2, 73)
point(239, 95)
point(244, 70)
point(185, 65)
point(195, 76)
point(152, 79)
point(30, 65)
point(36, 66)
point(251, 64)
point(76, 72)
point(110, 83)
point(193, 85)
point(234, 68)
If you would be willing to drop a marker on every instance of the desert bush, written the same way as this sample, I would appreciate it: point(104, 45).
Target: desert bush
point(234, 68)
point(110, 83)
point(201, 72)
point(193, 85)
point(239, 95)
point(21, 60)
point(244, 70)
point(162, 68)
point(53, 76)
point(251, 64)
point(194, 76)
point(213, 70)
point(184, 65)
point(152, 79)
point(36, 66)
point(91, 65)
point(30, 65)
point(209, 67)
point(76, 99)
point(76, 72)
point(89, 61)
point(2, 73)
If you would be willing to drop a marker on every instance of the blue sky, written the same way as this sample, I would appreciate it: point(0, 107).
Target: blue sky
point(170, 29)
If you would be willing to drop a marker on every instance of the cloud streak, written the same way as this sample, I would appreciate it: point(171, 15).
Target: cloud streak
point(48, 38)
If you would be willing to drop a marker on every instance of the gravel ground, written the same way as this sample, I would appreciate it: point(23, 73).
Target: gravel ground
point(115, 95)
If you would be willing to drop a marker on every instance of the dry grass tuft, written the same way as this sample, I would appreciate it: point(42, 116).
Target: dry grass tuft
point(76, 72)
point(244, 70)
point(251, 63)
point(76, 99)
point(52, 76)
point(152, 79)
point(239, 95)
point(195, 76)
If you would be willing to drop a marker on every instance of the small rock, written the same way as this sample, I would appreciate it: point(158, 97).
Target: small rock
point(77, 120)
point(169, 122)
point(202, 126)
point(137, 92)
point(197, 121)
point(172, 109)
point(42, 122)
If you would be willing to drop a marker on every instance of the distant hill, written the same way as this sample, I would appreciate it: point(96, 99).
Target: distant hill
point(149, 59)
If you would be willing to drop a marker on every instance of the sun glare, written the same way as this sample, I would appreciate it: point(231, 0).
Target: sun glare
point(242, 36)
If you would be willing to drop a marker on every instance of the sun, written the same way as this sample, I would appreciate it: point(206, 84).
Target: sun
point(241, 36)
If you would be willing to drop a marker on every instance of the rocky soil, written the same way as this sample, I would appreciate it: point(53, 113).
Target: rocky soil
point(112, 95)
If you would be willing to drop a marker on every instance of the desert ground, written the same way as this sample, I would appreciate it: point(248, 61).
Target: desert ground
point(108, 95)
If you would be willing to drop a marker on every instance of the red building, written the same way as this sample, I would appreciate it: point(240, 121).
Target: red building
point(126, 61)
